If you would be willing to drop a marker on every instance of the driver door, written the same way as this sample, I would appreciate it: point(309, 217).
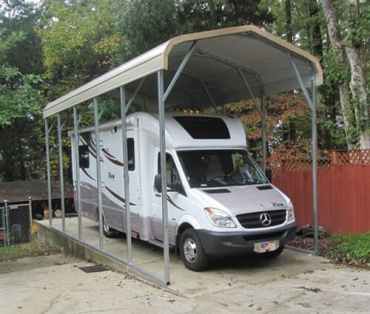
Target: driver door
point(176, 198)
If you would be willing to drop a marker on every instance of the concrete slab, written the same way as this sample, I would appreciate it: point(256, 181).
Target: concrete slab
point(223, 274)
point(55, 284)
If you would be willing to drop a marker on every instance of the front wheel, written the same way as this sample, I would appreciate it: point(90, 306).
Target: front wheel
point(191, 251)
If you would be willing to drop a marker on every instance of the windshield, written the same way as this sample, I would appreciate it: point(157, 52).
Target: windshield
point(215, 168)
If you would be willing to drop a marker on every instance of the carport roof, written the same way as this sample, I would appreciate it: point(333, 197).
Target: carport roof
point(264, 60)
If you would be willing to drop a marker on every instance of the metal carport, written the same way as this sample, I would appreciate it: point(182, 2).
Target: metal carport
point(208, 69)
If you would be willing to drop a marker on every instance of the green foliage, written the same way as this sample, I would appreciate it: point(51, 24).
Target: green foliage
point(79, 42)
point(21, 90)
point(48, 50)
point(147, 23)
point(20, 46)
point(352, 249)
point(19, 96)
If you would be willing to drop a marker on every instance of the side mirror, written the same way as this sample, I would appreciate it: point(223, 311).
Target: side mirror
point(268, 173)
point(158, 183)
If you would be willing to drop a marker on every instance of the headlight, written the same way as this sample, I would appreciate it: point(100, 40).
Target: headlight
point(220, 218)
point(290, 212)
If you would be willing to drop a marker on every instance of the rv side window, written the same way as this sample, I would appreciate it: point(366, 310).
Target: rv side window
point(131, 154)
point(84, 156)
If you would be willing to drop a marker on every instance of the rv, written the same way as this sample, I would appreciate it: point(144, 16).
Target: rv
point(220, 203)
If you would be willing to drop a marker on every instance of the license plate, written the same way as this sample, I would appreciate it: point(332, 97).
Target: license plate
point(266, 246)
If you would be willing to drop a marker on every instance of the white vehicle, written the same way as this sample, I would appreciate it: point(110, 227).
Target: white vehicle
point(219, 201)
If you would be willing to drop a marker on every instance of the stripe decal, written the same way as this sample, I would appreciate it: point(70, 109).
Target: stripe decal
point(118, 196)
point(173, 203)
point(87, 174)
point(113, 159)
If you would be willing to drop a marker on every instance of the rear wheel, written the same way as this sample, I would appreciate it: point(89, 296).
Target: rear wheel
point(108, 231)
point(191, 251)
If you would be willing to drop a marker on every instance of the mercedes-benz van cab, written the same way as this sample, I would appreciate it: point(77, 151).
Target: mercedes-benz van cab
point(220, 203)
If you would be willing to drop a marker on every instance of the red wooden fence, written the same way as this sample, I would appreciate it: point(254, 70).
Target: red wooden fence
point(343, 196)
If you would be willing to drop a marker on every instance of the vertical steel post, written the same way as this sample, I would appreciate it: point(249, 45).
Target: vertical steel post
point(30, 213)
point(3, 223)
point(76, 137)
point(7, 233)
point(61, 172)
point(126, 179)
point(263, 135)
point(162, 132)
point(48, 172)
point(314, 169)
point(98, 172)
point(312, 102)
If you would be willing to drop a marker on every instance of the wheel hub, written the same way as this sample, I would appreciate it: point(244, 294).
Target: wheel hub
point(190, 250)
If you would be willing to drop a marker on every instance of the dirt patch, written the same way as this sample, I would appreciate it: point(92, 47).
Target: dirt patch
point(31, 249)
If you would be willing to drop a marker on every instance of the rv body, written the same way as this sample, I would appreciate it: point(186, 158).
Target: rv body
point(217, 196)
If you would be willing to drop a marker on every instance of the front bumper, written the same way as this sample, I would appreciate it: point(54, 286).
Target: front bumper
point(236, 243)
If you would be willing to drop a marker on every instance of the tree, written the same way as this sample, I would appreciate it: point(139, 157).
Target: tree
point(20, 93)
point(79, 42)
point(348, 51)
point(147, 23)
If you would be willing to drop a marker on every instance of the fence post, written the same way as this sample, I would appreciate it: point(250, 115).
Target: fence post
point(30, 214)
point(6, 223)
point(3, 223)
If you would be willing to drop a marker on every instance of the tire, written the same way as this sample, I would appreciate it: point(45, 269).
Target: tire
point(108, 231)
point(191, 251)
point(273, 254)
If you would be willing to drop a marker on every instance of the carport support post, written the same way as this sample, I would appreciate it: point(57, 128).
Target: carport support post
point(47, 130)
point(126, 187)
point(61, 175)
point(314, 169)
point(312, 103)
point(263, 131)
point(98, 172)
point(30, 214)
point(76, 137)
point(7, 227)
point(162, 134)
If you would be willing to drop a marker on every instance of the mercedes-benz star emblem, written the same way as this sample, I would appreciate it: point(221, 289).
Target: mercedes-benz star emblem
point(265, 219)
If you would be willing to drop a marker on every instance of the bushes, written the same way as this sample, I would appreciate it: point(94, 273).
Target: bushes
point(350, 249)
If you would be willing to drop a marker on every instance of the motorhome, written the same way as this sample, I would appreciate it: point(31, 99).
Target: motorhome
point(219, 201)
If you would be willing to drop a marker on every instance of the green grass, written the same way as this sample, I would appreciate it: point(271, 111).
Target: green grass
point(33, 248)
point(350, 249)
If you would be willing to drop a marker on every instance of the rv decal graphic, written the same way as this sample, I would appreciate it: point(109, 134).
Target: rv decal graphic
point(87, 174)
point(118, 197)
point(173, 203)
point(112, 159)
point(87, 141)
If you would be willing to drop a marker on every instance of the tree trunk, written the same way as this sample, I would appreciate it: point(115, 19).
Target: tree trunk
point(359, 94)
point(288, 22)
point(335, 40)
point(315, 36)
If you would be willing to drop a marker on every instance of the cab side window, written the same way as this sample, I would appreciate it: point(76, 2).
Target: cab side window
point(173, 177)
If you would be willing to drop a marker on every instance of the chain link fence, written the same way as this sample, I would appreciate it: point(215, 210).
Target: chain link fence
point(15, 223)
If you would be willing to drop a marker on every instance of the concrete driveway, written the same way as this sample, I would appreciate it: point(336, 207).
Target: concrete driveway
point(222, 275)
point(296, 283)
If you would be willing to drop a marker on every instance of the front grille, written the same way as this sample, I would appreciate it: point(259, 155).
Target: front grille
point(252, 220)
